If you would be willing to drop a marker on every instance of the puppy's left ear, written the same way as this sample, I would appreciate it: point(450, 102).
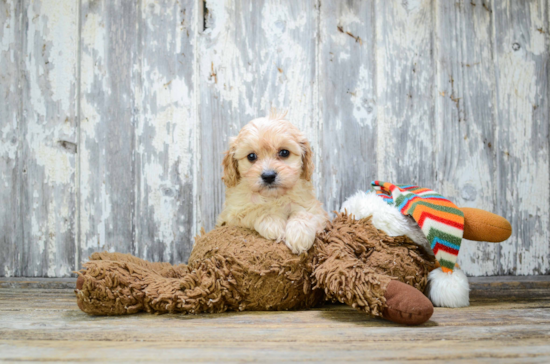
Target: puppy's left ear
point(230, 167)
point(307, 160)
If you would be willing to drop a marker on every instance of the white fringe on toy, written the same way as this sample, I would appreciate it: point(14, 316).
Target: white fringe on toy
point(448, 289)
point(385, 217)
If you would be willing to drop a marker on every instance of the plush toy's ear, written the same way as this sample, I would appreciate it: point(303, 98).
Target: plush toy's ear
point(230, 167)
point(307, 160)
point(481, 225)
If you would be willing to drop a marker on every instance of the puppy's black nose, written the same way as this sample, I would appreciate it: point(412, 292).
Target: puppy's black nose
point(269, 176)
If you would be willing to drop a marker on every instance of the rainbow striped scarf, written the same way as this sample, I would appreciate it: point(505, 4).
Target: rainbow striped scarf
point(439, 219)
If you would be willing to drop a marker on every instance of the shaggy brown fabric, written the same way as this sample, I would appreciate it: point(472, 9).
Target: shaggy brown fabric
point(268, 275)
point(230, 268)
point(354, 263)
point(233, 268)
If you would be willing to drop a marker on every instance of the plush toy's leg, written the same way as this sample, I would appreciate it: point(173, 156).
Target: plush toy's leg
point(351, 282)
point(115, 287)
point(164, 269)
point(358, 265)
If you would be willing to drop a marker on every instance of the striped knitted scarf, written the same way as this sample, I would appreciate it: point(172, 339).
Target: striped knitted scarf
point(439, 219)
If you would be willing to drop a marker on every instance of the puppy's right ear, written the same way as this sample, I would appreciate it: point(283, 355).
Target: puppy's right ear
point(307, 160)
point(230, 167)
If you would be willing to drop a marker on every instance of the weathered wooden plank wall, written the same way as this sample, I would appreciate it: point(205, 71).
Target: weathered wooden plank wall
point(39, 136)
point(114, 115)
point(253, 55)
point(10, 115)
point(137, 128)
point(347, 99)
point(465, 117)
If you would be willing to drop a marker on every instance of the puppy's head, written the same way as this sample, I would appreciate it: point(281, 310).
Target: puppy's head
point(270, 155)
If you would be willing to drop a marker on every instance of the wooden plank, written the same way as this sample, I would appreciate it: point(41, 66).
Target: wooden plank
point(522, 137)
point(254, 55)
point(18, 307)
point(109, 75)
point(49, 138)
point(30, 300)
point(9, 292)
point(347, 100)
point(46, 324)
point(46, 283)
point(522, 287)
point(405, 91)
point(328, 326)
point(508, 287)
point(57, 300)
point(465, 122)
point(166, 132)
point(426, 352)
point(10, 137)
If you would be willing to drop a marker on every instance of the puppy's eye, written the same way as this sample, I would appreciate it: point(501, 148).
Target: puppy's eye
point(283, 153)
point(252, 157)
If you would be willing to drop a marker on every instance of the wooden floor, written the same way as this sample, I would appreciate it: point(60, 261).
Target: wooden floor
point(508, 321)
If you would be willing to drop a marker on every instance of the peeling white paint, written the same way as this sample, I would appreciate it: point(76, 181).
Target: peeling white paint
point(465, 120)
point(523, 140)
point(8, 149)
point(42, 119)
point(162, 205)
point(401, 55)
point(364, 109)
point(56, 165)
point(105, 203)
point(61, 41)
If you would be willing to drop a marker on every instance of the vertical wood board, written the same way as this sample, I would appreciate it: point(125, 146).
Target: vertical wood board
point(465, 122)
point(165, 132)
point(254, 55)
point(405, 89)
point(10, 138)
point(523, 188)
point(347, 100)
point(138, 128)
point(49, 66)
point(109, 74)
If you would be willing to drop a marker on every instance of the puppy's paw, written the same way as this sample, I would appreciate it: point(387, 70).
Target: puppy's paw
point(271, 227)
point(300, 235)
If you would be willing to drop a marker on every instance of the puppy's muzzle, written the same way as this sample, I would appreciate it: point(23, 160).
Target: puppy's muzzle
point(269, 177)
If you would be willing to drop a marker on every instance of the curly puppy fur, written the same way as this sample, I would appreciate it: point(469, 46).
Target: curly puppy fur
point(283, 208)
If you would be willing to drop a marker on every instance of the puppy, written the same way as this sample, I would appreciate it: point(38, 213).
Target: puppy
point(267, 172)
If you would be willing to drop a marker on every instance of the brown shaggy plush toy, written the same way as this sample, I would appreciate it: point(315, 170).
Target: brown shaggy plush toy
point(351, 261)
point(234, 269)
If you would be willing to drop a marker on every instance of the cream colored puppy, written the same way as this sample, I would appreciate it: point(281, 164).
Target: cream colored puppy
point(267, 172)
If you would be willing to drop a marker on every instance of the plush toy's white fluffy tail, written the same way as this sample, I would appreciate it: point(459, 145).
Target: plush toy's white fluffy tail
point(448, 289)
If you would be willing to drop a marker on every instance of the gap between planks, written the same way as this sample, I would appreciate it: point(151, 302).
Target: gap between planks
point(486, 287)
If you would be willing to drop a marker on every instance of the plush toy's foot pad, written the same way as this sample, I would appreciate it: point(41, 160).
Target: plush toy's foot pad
point(79, 282)
point(406, 305)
